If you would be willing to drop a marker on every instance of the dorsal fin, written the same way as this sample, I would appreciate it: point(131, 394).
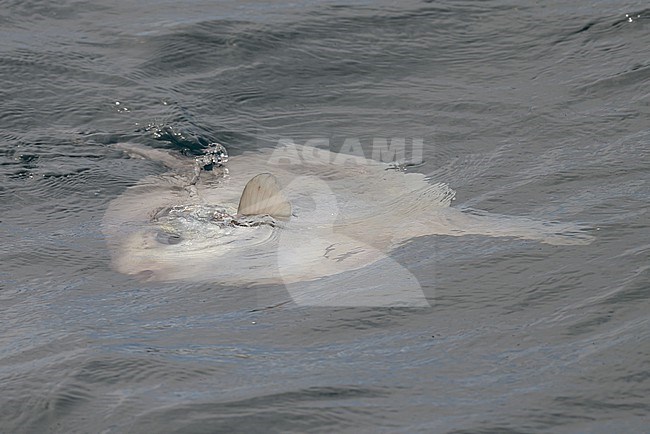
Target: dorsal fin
point(263, 195)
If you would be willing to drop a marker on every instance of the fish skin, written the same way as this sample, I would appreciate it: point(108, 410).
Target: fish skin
point(347, 212)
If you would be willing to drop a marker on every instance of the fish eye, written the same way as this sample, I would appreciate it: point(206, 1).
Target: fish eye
point(168, 238)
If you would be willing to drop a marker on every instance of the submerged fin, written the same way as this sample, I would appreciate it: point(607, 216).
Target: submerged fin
point(263, 195)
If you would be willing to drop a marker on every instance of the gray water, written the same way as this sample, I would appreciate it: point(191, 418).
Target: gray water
point(539, 110)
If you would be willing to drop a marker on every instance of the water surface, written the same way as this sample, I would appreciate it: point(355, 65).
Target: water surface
point(524, 109)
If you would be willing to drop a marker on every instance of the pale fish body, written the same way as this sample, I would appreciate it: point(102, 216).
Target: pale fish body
point(336, 213)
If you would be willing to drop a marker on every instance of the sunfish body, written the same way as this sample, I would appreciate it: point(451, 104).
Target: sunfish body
point(286, 215)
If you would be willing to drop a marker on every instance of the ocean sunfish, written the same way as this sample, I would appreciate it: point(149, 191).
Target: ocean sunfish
point(284, 215)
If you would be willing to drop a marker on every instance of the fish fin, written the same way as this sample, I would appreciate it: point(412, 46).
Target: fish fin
point(167, 158)
point(263, 195)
